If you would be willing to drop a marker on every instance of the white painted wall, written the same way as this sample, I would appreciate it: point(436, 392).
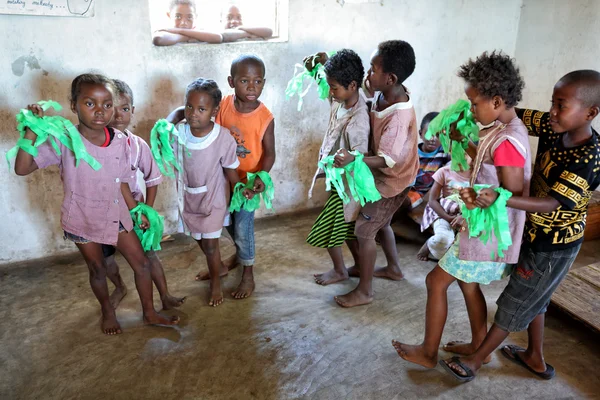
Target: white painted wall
point(555, 37)
point(40, 57)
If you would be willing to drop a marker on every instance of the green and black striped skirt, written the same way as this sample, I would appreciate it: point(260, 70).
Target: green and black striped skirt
point(331, 229)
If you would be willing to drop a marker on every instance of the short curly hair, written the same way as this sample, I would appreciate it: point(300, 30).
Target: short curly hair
point(428, 118)
point(175, 3)
point(345, 67)
point(398, 58)
point(91, 79)
point(207, 86)
point(494, 74)
point(123, 89)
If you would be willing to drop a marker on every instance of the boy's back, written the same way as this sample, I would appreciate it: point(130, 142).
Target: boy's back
point(570, 175)
point(248, 130)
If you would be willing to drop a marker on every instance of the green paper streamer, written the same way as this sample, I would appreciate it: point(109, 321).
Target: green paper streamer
point(360, 179)
point(162, 137)
point(466, 125)
point(296, 85)
point(238, 201)
point(151, 237)
point(50, 128)
point(484, 223)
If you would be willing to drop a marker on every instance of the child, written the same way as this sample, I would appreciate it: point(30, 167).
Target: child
point(565, 175)
point(143, 161)
point(182, 14)
point(394, 163)
point(493, 85)
point(431, 159)
point(208, 161)
point(441, 212)
point(235, 30)
point(88, 192)
point(253, 128)
point(349, 129)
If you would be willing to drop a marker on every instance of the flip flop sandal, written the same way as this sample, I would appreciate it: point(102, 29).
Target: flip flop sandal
point(445, 347)
point(456, 360)
point(512, 353)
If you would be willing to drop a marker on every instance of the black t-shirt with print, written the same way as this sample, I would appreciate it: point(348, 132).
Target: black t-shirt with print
point(569, 175)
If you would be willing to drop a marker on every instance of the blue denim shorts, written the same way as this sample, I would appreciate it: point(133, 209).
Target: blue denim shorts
point(531, 285)
point(81, 240)
point(241, 231)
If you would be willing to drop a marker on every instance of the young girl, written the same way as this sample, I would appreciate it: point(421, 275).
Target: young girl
point(493, 85)
point(142, 160)
point(93, 210)
point(208, 161)
point(348, 128)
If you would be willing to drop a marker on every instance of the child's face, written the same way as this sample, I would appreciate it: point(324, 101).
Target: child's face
point(567, 111)
point(377, 78)
point(233, 18)
point(248, 82)
point(94, 106)
point(182, 16)
point(431, 144)
point(485, 109)
point(199, 109)
point(339, 92)
point(123, 113)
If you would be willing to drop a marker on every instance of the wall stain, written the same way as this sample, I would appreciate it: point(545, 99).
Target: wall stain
point(18, 66)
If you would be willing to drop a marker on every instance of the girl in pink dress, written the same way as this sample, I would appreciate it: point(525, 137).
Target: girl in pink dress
point(96, 204)
point(207, 155)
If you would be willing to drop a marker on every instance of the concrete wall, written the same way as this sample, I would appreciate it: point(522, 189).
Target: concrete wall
point(41, 56)
point(555, 37)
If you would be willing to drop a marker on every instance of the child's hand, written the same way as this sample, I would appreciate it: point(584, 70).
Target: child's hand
point(36, 109)
point(145, 223)
point(486, 198)
point(321, 175)
point(249, 194)
point(458, 223)
point(311, 61)
point(259, 185)
point(342, 158)
point(468, 195)
point(454, 133)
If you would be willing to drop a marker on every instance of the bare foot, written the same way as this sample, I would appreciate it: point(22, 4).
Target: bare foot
point(117, 295)
point(388, 272)
point(205, 275)
point(353, 271)
point(216, 296)
point(169, 302)
point(110, 325)
point(354, 299)
point(464, 349)
point(330, 277)
point(423, 254)
point(415, 354)
point(244, 289)
point(155, 318)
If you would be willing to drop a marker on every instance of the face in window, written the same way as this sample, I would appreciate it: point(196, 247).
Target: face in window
point(183, 16)
point(233, 18)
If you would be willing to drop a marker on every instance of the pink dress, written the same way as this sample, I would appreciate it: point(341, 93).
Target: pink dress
point(93, 204)
point(201, 185)
point(141, 159)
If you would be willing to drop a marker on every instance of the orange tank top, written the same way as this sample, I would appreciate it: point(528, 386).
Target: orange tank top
point(248, 130)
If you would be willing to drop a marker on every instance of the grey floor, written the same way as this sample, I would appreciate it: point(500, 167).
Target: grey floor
point(290, 340)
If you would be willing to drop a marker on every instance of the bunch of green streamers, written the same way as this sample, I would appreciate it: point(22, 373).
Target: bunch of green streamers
point(238, 201)
point(296, 84)
point(459, 113)
point(151, 237)
point(490, 221)
point(59, 128)
point(162, 137)
point(360, 179)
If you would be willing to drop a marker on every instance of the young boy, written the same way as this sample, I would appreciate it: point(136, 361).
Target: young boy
point(141, 159)
point(182, 14)
point(567, 171)
point(394, 163)
point(253, 127)
point(236, 30)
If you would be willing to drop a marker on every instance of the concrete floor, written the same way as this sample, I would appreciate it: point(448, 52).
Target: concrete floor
point(290, 340)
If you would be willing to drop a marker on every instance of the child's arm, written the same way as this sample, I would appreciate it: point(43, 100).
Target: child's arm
point(268, 158)
point(318, 58)
point(233, 178)
point(25, 163)
point(202, 36)
point(176, 116)
point(511, 179)
point(434, 202)
point(164, 38)
point(151, 195)
point(262, 32)
point(131, 203)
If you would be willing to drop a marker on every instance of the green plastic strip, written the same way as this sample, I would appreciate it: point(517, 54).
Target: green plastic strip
point(238, 201)
point(296, 85)
point(466, 125)
point(162, 138)
point(151, 237)
point(50, 128)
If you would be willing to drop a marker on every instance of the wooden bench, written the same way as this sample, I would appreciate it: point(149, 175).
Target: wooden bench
point(592, 227)
point(579, 295)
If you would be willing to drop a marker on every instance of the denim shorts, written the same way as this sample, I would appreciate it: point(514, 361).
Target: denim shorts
point(81, 240)
point(242, 233)
point(531, 285)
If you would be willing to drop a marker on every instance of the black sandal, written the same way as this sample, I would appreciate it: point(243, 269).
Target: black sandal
point(456, 360)
point(512, 353)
